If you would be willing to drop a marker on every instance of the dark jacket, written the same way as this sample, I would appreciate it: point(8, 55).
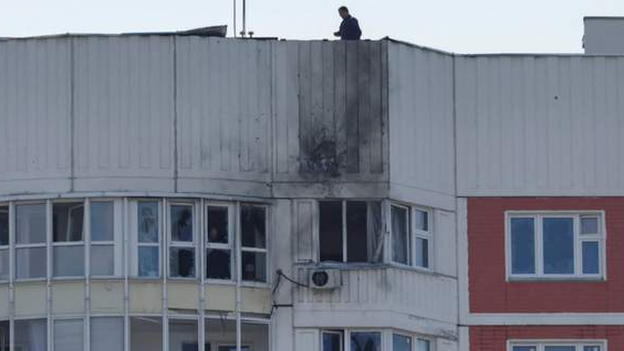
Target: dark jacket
point(350, 29)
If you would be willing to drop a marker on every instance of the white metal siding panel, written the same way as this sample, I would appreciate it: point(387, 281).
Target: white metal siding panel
point(224, 108)
point(532, 125)
point(124, 113)
point(35, 105)
point(421, 122)
point(398, 290)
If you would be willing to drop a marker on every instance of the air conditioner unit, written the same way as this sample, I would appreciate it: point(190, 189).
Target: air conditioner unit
point(325, 279)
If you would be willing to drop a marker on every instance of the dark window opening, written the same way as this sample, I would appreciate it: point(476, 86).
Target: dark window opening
point(330, 231)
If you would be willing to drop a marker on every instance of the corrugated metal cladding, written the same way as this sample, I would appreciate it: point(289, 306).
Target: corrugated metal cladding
point(534, 125)
point(165, 113)
point(421, 122)
point(338, 90)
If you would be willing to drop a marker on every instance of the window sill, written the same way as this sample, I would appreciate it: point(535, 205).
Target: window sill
point(569, 279)
point(258, 285)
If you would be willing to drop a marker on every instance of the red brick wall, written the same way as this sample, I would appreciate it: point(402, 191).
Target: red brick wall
point(495, 338)
point(490, 293)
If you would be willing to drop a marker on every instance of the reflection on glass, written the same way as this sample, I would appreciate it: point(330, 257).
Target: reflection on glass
point(522, 246)
point(183, 335)
point(366, 341)
point(401, 343)
point(400, 241)
point(422, 252)
point(107, 333)
point(591, 257)
point(589, 225)
point(253, 226)
point(68, 335)
point(31, 224)
point(31, 334)
point(146, 333)
point(67, 222)
point(148, 222)
point(332, 341)
point(68, 261)
point(182, 261)
point(254, 266)
point(102, 260)
point(102, 221)
point(182, 223)
point(31, 263)
point(558, 246)
point(422, 220)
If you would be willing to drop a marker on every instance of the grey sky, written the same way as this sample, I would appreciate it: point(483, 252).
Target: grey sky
point(464, 26)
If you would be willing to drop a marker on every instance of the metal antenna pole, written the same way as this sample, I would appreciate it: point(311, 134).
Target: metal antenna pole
point(235, 29)
point(244, 32)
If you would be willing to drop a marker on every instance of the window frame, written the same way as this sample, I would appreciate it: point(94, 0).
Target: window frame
point(413, 236)
point(15, 246)
point(82, 243)
point(135, 242)
point(171, 244)
point(7, 248)
point(410, 238)
point(538, 217)
point(230, 246)
point(242, 249)
point(341, 333)
point(541, 344)
point(116, 243)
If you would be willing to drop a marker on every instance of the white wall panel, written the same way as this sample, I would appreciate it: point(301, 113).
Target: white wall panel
point(35, 105)
point(421, 125)
point(540, 126)
point(224, 110)
point(124, 110)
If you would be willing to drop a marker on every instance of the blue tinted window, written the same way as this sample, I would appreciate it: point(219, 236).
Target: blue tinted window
point(524, 348)
point(364, 341)
point(522, 246)
point(558, 247)
point(401, 343)
point(591, 348)
point(332, 342)
point(559, 348)
point(148, 261)
point(591, 257)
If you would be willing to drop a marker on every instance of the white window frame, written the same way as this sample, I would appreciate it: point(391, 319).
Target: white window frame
point(540, 345)
point(44, 245)
point(423, 234)
point(410, 238)
point(243, 249)
point(230, 246)
point(136, 245)
point(341, 333)
point(171, 244)
point(383, 333)
point(82, 243)
point(538, 217)
point(116, 243)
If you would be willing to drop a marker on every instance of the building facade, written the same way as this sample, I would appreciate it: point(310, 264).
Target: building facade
point(178, 193)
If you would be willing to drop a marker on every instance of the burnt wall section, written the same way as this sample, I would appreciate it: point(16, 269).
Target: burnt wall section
point(421, 136)
point(341, 103)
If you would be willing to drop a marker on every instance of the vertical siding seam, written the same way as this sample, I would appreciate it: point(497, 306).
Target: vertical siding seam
point(72, 112)
point(175, 115)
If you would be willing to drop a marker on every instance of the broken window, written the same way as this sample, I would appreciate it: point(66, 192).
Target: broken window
point(68, 239)
point(30, 241)
point(4, 243)
point(148, 239)
point(69, 334)
point(31, 335)
point(365, 341)
point(107, 333)
point(399, 217)
point(253, 243)
point(5, 336)
point(183, 335)
point(182, 241)
point(146, 333)
point(350, 231)
point(102, 217)
point(218, 243)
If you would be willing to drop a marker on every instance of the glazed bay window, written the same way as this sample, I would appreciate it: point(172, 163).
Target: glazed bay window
point(30, 241)
point(4, 242)
point(107, 333)
point(68, 334)
point(555, 245)
point(68, 239)
point(350, 231)
point(411, 236)
point(558, 346)
point(148, 238)
point(181, 241)
point(365, 341)
point(253, 219)
point(218, 242)
point(31, 335)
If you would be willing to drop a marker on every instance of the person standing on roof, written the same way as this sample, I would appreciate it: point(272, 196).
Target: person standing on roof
point(350, 28)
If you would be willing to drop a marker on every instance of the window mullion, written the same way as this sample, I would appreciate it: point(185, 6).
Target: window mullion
point(539, 240)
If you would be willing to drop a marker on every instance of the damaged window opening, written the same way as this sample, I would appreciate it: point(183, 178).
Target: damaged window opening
point(182, 241)
point(148, 237)
point(253, 243)
point(218, 243)
point(350, 231)
point(30, 253)
point(4, 243)
point(68, 239)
